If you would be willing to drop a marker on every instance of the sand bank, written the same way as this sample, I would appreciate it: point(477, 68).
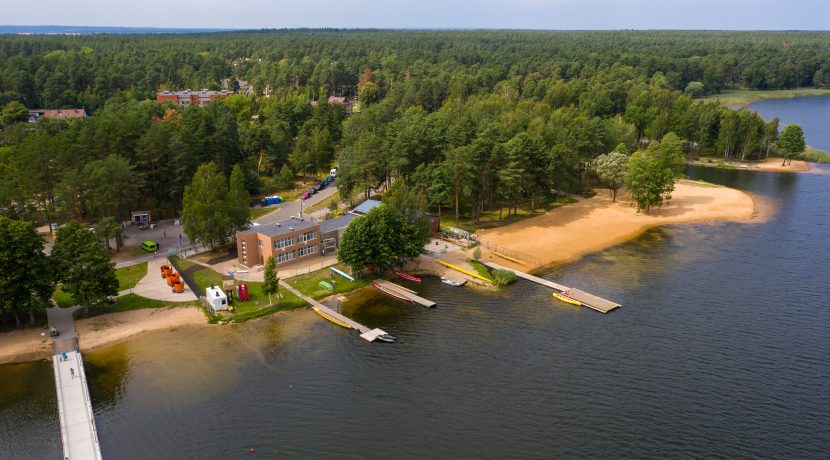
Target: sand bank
point(589, 225)
point(114, 327)
point(769, 165)
point(30, 345)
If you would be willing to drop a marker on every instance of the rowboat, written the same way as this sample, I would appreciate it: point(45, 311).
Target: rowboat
point(566, 299)
point(329, 318)
point(409, 277)
point(453, 282)
point(326, 285)
point(391, 293)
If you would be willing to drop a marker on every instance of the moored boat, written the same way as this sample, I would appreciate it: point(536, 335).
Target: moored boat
point(326, 285)
point(409, 277)
point(564, 298)
point(388, 338)
point(453, 282)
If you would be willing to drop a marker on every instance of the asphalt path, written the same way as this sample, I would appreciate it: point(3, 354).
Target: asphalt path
point(292, 208)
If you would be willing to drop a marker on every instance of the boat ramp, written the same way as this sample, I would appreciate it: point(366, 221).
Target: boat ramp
point(589, 300)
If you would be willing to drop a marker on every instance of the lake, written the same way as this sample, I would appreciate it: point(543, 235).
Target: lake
point(812, 113)
point(719, 350)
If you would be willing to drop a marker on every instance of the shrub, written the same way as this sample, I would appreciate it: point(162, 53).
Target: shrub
point(504, 277)
point(477, 254)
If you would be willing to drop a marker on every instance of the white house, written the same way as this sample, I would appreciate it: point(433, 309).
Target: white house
point(216, 299)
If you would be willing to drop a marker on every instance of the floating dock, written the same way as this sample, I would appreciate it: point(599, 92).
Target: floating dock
point(403, 293)
point(589, 300)
point(366, 333)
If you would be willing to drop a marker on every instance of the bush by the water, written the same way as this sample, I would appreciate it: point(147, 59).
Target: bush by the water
point(814, 155)
point(504, 277)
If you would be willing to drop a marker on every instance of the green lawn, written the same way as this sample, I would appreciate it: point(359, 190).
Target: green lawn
point(128, 277)
point(64, 299)
point(325, 203)
point(257, 305)
point(743, 97)
point(309, 284)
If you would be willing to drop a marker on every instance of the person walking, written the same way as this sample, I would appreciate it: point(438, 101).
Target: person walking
point(72, 372)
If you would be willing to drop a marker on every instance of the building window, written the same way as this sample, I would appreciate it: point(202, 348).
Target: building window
point(304, 251)
point(284, 243)
point(307, 236)
point(259, 243)
point(285, 257)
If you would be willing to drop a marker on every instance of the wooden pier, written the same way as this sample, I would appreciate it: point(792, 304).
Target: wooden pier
point(589, 300)
point(366, 332)
point(400, 291)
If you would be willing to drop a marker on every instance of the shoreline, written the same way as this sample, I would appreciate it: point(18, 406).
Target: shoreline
point(746, 97)
point(590, 225)
point(99, 331)
point(768, 165)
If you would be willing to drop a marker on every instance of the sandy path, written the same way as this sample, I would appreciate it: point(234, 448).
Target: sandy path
point(107, 329)
point(567, 233)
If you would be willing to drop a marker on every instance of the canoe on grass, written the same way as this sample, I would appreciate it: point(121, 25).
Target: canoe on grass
point(326, 285)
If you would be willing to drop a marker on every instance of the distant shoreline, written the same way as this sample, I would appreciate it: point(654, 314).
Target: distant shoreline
point(769, 165)
point(743, 97)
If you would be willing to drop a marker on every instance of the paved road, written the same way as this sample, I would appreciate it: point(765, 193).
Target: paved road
point(292, 208)
point(62, 320)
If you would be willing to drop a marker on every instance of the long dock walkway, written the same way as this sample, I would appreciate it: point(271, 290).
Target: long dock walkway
point(78, 433)
point(366, 333)
point(404, 292)
point(589, 300)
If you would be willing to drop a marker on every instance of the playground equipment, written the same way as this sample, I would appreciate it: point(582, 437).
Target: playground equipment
point(165, 271)
point(178, 286)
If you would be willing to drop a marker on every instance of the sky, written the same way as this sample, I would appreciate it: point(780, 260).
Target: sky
point(512, 14)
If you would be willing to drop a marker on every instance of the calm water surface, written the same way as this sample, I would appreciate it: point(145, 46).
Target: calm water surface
point(720, 350)
point(812, 113)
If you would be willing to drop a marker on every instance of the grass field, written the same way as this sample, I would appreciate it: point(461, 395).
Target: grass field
point(257, 305)
point(309, 284)
point(323, 204)
point(743, 97)
point(62, 298)
point(128, 277)
point(131, 302)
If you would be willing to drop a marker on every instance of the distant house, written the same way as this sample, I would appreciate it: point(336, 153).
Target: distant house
point(58, 114)
point(188, 97)
point(340, 100)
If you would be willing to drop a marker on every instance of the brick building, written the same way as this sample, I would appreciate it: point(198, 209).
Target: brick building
point(58, 114)
point(287, 241)
point(186, 98)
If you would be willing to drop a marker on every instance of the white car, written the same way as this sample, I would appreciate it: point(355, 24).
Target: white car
point(333, 172)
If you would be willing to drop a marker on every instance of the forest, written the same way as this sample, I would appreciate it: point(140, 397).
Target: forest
point(476, 121)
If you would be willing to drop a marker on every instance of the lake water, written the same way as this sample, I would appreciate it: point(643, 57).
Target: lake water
point(720, 350)
point(812, 113)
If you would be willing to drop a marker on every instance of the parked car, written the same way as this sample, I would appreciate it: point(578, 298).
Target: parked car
point(319, 186)
point(53, 332)
point(150, 246)
point(306, 195)
point(312, 191)
point(333, 173)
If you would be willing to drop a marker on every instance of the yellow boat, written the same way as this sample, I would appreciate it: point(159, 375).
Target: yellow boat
point(566, 299)
point(324, 315)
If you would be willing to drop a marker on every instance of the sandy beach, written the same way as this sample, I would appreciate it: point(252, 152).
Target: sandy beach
point(589, 225)
point(30, 345)
point(769, 165)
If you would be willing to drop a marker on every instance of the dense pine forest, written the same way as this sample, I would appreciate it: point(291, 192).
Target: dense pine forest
point(473, 120)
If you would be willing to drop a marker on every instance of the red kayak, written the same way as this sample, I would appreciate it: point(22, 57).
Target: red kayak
point(409, 277)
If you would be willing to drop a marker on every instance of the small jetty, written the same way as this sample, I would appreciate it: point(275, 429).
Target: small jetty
point(366, 333)
point(589, 300)
point(402, 293)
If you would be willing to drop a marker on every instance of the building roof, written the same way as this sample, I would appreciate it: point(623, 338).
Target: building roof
point(337, 100)
point(337, 223)
point(366, 206)
point(57, 113)
point(280, 228)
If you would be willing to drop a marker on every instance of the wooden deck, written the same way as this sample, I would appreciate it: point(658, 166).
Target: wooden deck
point(589, 300)
point(366, 332)
point(407, 293)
